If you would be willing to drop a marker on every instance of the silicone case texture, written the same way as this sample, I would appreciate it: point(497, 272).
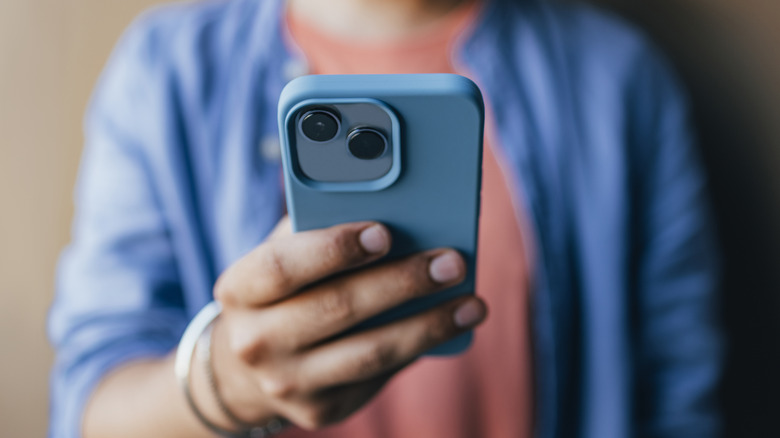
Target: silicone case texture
point(429, 198)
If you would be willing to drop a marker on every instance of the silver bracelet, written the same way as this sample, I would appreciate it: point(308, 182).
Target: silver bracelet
point(271, 428)
point(183, 366)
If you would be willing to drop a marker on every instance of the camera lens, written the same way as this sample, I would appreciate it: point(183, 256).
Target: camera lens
point(319, 125)
point(366, 144)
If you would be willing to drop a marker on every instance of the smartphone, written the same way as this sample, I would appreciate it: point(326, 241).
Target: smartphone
point(403, 150)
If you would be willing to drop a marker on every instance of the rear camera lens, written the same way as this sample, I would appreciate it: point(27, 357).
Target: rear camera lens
point(319, 125)
point(366, 144)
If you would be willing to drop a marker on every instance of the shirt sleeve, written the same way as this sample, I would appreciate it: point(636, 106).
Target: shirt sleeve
point(679, 357)
point(118, 294)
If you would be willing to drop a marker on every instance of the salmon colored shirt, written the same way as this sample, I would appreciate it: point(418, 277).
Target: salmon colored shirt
point(486, 392)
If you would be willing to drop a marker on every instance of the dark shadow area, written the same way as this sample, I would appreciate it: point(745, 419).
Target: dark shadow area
point(728, 62)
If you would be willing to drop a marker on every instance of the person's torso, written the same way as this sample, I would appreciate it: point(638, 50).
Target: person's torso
point(540, 67)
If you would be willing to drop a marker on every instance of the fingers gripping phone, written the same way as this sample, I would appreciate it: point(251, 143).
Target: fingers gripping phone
point(403, 150)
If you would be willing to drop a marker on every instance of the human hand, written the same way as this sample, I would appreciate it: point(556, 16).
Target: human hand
point(276, 353)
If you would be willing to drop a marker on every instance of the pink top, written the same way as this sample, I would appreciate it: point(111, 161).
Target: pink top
point(486, 392)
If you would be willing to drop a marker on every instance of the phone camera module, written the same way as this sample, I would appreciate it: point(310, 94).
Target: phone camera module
point(319, 125)
point(366, 144)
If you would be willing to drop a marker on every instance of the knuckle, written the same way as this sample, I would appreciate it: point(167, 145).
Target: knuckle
point(335, 305)
point(277, 386)
point(249, 349)
point(440, 328)
point(374, 360)
point(409, 279)
point(341, 247)
point(275, 274)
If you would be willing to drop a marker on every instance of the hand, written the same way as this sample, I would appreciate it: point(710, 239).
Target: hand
point(275, 350)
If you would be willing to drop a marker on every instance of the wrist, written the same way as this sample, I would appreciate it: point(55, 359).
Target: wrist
point(198, 333)
point(240, 394)
point(202, 393)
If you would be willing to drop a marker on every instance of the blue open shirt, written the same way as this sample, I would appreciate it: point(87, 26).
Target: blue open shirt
point(180, 178)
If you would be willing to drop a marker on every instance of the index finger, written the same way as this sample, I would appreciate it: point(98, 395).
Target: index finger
point(282, 228)
point(284, 264)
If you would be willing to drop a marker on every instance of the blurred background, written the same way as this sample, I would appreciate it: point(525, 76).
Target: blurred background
point(51, 52)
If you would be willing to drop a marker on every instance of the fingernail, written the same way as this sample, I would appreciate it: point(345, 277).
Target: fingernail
point(446, 267)
point(374, 239)
point(469, 314)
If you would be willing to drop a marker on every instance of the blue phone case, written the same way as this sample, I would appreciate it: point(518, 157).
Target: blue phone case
point(430, 196)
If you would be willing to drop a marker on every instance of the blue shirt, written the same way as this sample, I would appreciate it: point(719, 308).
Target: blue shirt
point(180, 178)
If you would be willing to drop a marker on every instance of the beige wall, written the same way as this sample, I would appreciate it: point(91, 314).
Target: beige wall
point(52, 50)
point(50, 54)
